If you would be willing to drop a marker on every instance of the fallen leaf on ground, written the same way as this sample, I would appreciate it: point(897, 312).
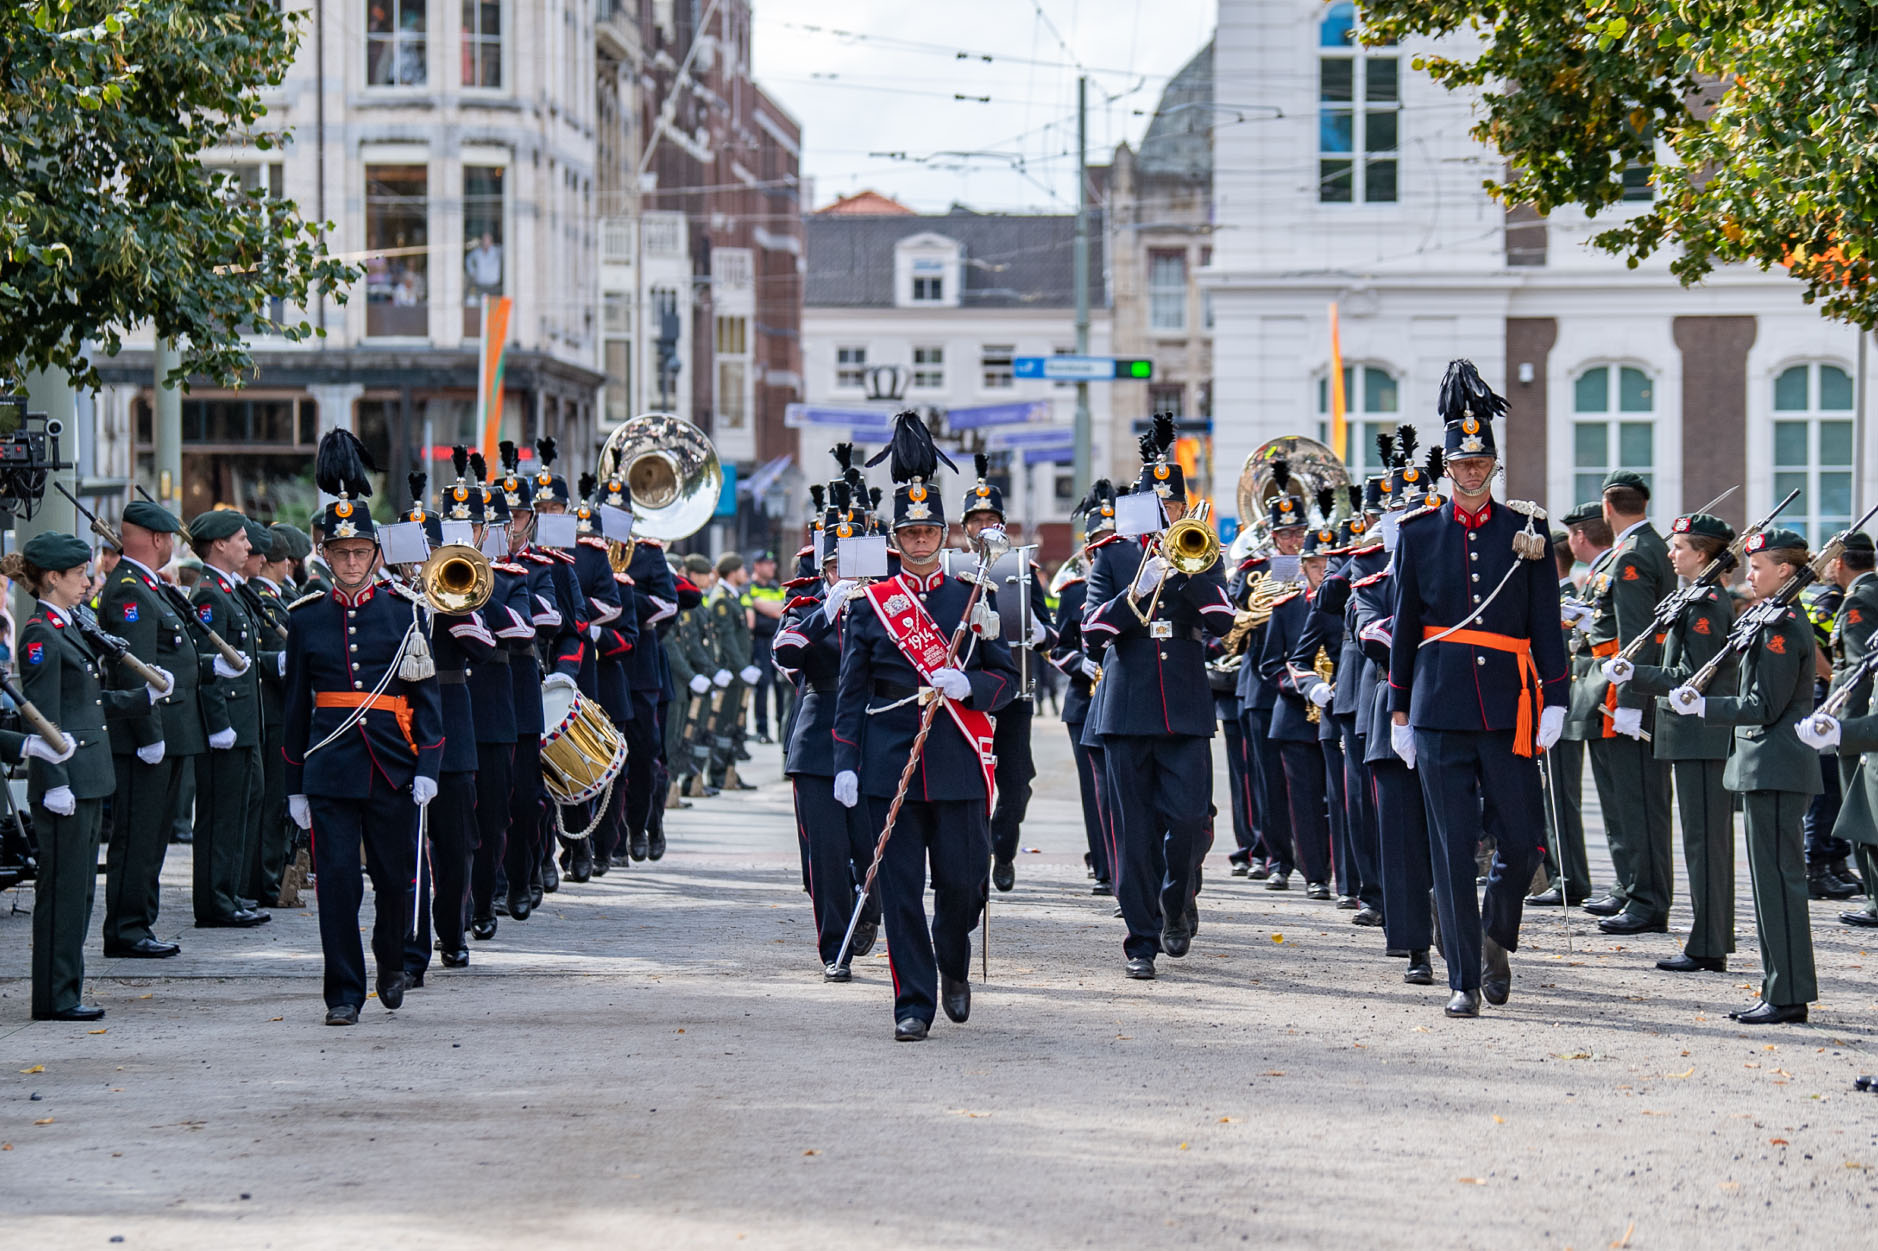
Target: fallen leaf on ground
point(37, 1068)
point(45, 1121)
point(1499, 1120)
point(1183, 1146)
point(97, 1031)
point(811, 1151)
point(1571, 1055)
point(147, 995)
point(1274, 1073)
point(1625, 1240)
point(1689, 1072)
point(1423, 1029)
point(272, 1019)
point(1848, 1163)
point(1729, 1186)
point(1778, 1142)
point(1278, 938)
point(1226, 1120)
point(1471, 1181)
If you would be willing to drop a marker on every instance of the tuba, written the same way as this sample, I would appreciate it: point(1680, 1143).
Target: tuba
point(1313, 467)
point(456, 580)
point(672, 471)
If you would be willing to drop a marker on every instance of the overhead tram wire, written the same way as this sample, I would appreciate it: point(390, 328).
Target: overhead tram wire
point(895, 43)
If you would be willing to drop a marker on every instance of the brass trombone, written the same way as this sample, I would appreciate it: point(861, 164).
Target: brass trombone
point(456, 579)
point(1189, 546)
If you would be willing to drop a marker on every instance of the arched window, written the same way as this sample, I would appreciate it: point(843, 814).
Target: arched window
point(1813, 448)
point(1371, 402)
point(1613, 427)
point(1359, 110)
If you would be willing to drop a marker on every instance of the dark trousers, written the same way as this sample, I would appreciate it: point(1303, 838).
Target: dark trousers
point(526, 816)
point(638, 785)
point(273, 830)
point(384, 825)
point(1777, 870)
point(1822, 813)
point(1404, 854)
point(140, 835)
point(838, 850)
point(1106, 806)
point(661, 772)
point(1708, 852)
point(1474, 786)
point(1010, 739)
point(1271, 790)
point(223, 779)
point(1302, 766)
point(495, 802)
point(448, 853)
point(1359, 805)
point(1340, 853)
point(955, 839)
point(1239, 779)
point(1565, 817)
point(767, 686)
point(1162, 786)
point(62, 898)
point(1092, 822)
point(1633, 790)
point(182, 816)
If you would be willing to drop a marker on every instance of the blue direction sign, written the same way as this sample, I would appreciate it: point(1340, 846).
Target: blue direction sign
point(1082, 368)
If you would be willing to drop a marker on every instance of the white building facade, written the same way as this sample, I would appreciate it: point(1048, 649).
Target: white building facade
point(1364, 190)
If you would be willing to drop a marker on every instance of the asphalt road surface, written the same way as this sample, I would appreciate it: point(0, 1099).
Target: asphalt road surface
point(654, 1060)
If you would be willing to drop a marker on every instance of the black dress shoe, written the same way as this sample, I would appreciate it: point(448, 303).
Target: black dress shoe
point(482, 929)
point(414, 979)
point(234, 921)
point(77, 1012)
point(865, 934)
point(639, 846)
point(1175, 939)
point(458, 959)
point(579, 864)
point(1683, 962)
point(1772, 1014)
point(1631, 923)
point(1317, 890)
point(1606, 906)
point(549, 880)
point(1843, 871)
point(142, 949)
point(1102, 887)
point(1496, 978)
point(912, 1029)
point(247, 905)
point(521, 907)
point(1546, 898)
point(1463, 1003)
point(344, 1014)
point(391, 991)
point(655, 843)
point(956, 998)
point(1349, 903)
point(1823, 883)
point(837, 973)
point(738, 785)
point(1240, 869)
point(1141, 969)
point(499, 907)
point(1420, 971)
point(1278, 881)
point(535, 896)
point(1367, 916)
point(1003, 874)
point(1259, 872)
point(1860, 918)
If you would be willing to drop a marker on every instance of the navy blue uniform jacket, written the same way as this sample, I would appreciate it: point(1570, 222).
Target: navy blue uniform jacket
point(1154, 686)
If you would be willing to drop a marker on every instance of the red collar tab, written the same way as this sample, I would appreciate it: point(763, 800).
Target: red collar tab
point(354, 601)
point(916, 583)
point(1473, 521)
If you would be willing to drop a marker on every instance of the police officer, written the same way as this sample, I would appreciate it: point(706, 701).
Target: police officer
point(1477, 684)
point(228, 776)
point(60, 663)
point(150, 752)
point(894, 649)
point(1154, 719)
point(363, 741)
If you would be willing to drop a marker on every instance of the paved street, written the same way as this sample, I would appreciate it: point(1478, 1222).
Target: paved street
point(654, 1060)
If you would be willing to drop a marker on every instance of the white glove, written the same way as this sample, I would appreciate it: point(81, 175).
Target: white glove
point(1402, 740)
point(721, 679)
point(1551, 726)
point(1618, 671)
point(1688, 701)
point(559, 679)
point(1819, 732)
point(301, 811)
point(225, 670)
point(167, 677)
point(1037, 633)
point(280, 664)
point(1574, 614)
point(152, 754)
point(593, 632)
point(60, 800)
point(37, 746)
point(1628, 722)
point(222, 740)
point(423, 790)
point(847, 788)
point(699, 684)
point(1090, 669)
point(749, 674)
point(1149, 576)
point(1320, 694)
point(952, 683)
point(838, 595)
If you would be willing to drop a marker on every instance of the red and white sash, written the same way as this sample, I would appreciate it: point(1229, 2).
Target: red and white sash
point(926, 648)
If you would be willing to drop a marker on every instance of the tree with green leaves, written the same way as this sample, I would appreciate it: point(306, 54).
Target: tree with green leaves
point(108, 216)
point(1759, 119)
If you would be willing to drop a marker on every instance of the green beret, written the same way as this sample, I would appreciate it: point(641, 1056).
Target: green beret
point(1590, 511)
point(151, 517)
point(298, 545)
point(1859, 541)
point(1626, 478)
point(1708, 525)
point(259, 540)
point(221, 523)
point(694, 563)
point(1560, 539)
point(55, 552)
point(1775, 540)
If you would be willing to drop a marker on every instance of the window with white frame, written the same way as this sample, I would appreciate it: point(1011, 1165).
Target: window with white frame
point(1613, 427)
point(396, 43)
point(1359, 113)
point(1167, 290)
point(996, 368)
point(851, 367)
point(1812, 452)
point(482, 43)
point(928, 289)
point(1371, 401)
point(929, 368)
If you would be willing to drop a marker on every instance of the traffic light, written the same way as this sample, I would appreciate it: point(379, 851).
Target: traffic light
point(1134, 371)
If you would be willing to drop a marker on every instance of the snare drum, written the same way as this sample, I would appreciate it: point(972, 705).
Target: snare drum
point(580, 750)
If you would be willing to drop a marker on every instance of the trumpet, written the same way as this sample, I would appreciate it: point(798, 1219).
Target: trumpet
point(456, 580)
point(1189, 546)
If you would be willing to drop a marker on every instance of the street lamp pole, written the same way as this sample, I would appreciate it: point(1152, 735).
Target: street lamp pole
point(1084, 452)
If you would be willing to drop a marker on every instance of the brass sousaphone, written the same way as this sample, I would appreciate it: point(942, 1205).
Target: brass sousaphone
point(1313, 467)
point(673, 473)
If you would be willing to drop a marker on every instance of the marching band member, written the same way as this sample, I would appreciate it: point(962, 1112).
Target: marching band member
point(1080, 670)
point(613, 630)
point(1258, 695)
point(1293, 734)
point(528, 806)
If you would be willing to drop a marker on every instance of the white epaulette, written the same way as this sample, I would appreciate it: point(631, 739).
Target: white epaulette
point(407, 592)
point(1526, 508)
point(306, 599)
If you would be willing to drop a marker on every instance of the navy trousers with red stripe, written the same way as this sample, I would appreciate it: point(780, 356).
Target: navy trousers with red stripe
point(385, 823)
point(1094, 820)
point(1161, 785)
point(954, 837)
point(836, 851)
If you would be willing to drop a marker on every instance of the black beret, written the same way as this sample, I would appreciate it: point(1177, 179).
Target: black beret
point(259, 540)
point(299, 546)
point(220, 523)
point(55, 551)
point(1859, 541)
point(151, 517)
point(1590, 511)
point(1708, 525)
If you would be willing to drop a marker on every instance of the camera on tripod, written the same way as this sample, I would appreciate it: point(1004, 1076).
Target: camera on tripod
point(29, 455)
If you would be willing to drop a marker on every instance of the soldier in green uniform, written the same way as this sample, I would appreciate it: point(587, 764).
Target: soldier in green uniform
point(228, 775)
point(1774, 772)
point(262, 590)
point(1633, 786)
point(1698, 750)
point(59, 672)
point(1828, 875)
point(683, 673)
point(150, 752)
point(735, 675)
point(695, 640)
point(1585, 538)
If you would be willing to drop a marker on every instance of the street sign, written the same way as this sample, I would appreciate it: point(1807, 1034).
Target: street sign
point(1082, 368)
